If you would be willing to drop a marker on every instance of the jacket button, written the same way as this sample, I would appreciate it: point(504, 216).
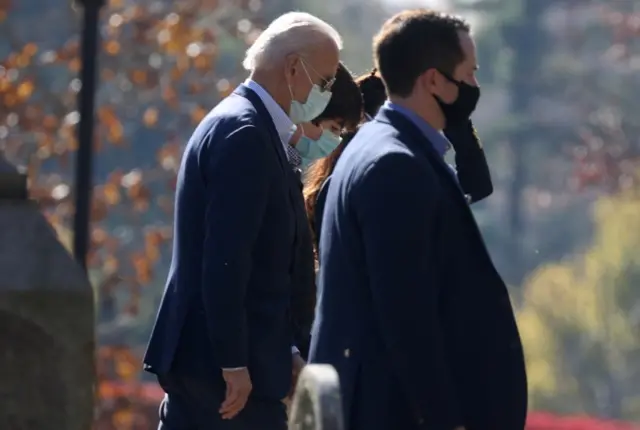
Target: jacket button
point(347, 353)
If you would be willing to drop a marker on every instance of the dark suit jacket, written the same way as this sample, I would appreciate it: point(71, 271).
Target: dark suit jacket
point(471, 164)
point(227, 302)
point(411, 311)
point(472, 170)
point(303, 300)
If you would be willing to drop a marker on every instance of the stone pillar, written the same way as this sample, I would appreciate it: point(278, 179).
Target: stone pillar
point(47, 370)
point(317, 404)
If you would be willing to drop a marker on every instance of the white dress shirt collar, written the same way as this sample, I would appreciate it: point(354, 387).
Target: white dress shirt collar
point(284, 125)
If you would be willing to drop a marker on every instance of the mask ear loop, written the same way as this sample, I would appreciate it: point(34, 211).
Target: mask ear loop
point(449, 78)
point(306, 72)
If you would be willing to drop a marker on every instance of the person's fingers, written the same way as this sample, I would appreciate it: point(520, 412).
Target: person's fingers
point(234, 411)
point(231, 398)
point(236, 398)
point(234, 407)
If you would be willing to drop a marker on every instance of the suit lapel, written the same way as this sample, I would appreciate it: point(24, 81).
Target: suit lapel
point(263, 115)
point(419, 143)
point(292, 178)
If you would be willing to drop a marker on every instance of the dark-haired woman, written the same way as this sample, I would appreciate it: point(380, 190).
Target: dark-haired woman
point(315, 141)
point(372, 93)
point(319, 138)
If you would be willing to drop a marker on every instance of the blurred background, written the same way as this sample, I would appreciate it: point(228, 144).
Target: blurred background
point(558, 120)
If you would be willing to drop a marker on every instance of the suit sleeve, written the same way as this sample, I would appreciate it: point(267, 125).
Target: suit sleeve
point(397, 213)
point(237, 178)
point(471, 163)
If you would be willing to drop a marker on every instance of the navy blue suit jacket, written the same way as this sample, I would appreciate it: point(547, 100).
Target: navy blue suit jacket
point(471, 167)
point(227, 301)
point(411, 311)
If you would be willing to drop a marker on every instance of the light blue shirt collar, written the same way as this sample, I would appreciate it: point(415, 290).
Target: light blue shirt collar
point(284, 125)
point(440, 143)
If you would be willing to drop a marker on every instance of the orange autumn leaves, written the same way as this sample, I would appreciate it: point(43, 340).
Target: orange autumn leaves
point(13, 90)
point(161, 67)
point(157, 71)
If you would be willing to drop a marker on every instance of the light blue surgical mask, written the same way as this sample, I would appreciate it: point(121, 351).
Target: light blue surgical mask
point(315, 104)
point(311, 150)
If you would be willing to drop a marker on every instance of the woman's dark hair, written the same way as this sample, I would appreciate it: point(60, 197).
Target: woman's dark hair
point(345, 105)
point(373, 92)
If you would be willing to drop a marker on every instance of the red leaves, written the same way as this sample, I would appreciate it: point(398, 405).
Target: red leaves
point(547, 421)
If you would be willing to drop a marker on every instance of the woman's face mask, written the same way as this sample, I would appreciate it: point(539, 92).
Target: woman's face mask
point(311, 150)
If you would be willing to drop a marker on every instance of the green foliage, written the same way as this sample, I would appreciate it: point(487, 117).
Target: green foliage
point(580, 318)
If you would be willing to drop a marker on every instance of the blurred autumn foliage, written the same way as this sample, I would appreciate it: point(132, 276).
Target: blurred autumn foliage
point(162, 66)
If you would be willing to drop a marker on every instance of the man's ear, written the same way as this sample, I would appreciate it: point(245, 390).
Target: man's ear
point(429, 80)
point(291, 66)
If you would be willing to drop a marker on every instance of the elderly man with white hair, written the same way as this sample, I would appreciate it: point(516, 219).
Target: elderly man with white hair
point(223, 339)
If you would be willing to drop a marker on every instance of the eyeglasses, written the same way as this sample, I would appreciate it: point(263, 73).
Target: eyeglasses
point(326, 83)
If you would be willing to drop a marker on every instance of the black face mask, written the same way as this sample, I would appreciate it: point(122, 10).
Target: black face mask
point(459, 112)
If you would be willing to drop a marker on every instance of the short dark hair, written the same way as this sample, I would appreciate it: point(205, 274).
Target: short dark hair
point(414, 41)
point(346, 100)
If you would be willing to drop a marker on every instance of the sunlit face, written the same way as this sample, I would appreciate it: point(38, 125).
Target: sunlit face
point(318, 67)
point(466, 70)
point(332, 125)
point(314, 131)
point(436, 83)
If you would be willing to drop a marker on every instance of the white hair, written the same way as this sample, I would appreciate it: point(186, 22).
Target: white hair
point(291, 32)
